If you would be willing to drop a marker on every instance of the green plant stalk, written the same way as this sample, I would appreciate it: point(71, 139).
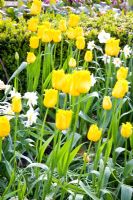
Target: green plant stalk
point(15, 140)
point(73, 131)
point(125, 155)
point(108, 73)
point(84, 165)
point(78, 58)
point(61, 53)
point(42, 132)
point(0, 149)
point(54, 56)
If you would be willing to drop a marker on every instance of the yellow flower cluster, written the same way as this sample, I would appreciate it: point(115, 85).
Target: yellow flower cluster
point(77, 83)
point(121, 86)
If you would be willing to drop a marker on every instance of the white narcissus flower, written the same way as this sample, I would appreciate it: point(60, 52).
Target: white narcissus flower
point(91, 45)
point(31, 117)
point(117, 62)
point(14, 93)
point(5, 109)
point(106, 59)
point(2, 85)
point(93, 80)
point(31, 97)
point(127, 51)
point(103, 36)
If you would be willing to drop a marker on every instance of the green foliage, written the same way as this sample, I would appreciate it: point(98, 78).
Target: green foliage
point(13, 38)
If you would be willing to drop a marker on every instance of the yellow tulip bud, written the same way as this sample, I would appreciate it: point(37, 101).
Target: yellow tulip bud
point(120, 89)
point(36, 7)
point(86, 158)
point(51, 98)
point(46, 25)
point(4, 126)
point(88, 56)
point(31, 57)
point(16, 104)
point(80, 42)
point(72, 62)
point(56, 35)
point(126, 130)
point(112, 47)
point(107, 104)
point(57, 79)
point(63, 119)
point(122, 73)
point(62, 25)
point(32, 24)
point(34, 42)
point(94, 133)
point(73, 20)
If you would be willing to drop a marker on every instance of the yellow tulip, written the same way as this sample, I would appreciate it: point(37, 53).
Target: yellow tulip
point(4, 126)
point(80, 82)
point(57, 79)
point(16, 104)
point(71, 33)
point(36, 7)
point(63, 119)
point(73, 20)
point(34, 42)
point(72, 62)
point(31, 57)
point(122, 73)
point(80, 42)
point(51, 98)
point(47, 36)
point(46, 25)
point(62, 25)
point(32, 24)
point(79, 32)
point(126, 130)
point(94, 133)
point(88, 56)
point(56, 35)
point(107, 104)
point(120, 89)
point(66, 83)
point(112, 47)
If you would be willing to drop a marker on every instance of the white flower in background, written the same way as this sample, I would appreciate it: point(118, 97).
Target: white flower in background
point(5, 109)
point(106, 59)
point(91, 45)
point(117, 62)
point(127, 51)
point(2, 85)
point(14, 93)
point(103, 36)
point(31, 117)
point(7, 88)
point(93, 80)
point(31, 97)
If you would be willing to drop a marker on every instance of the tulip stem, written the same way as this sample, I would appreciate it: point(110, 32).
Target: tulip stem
point(0, 149)
point(61, 55)
point(125, 161)
point(15, 140)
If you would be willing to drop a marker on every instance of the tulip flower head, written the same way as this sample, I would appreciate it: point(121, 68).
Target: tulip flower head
point(94, 133)
point(63, 119)
point(126, 130)
point(4, 126)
